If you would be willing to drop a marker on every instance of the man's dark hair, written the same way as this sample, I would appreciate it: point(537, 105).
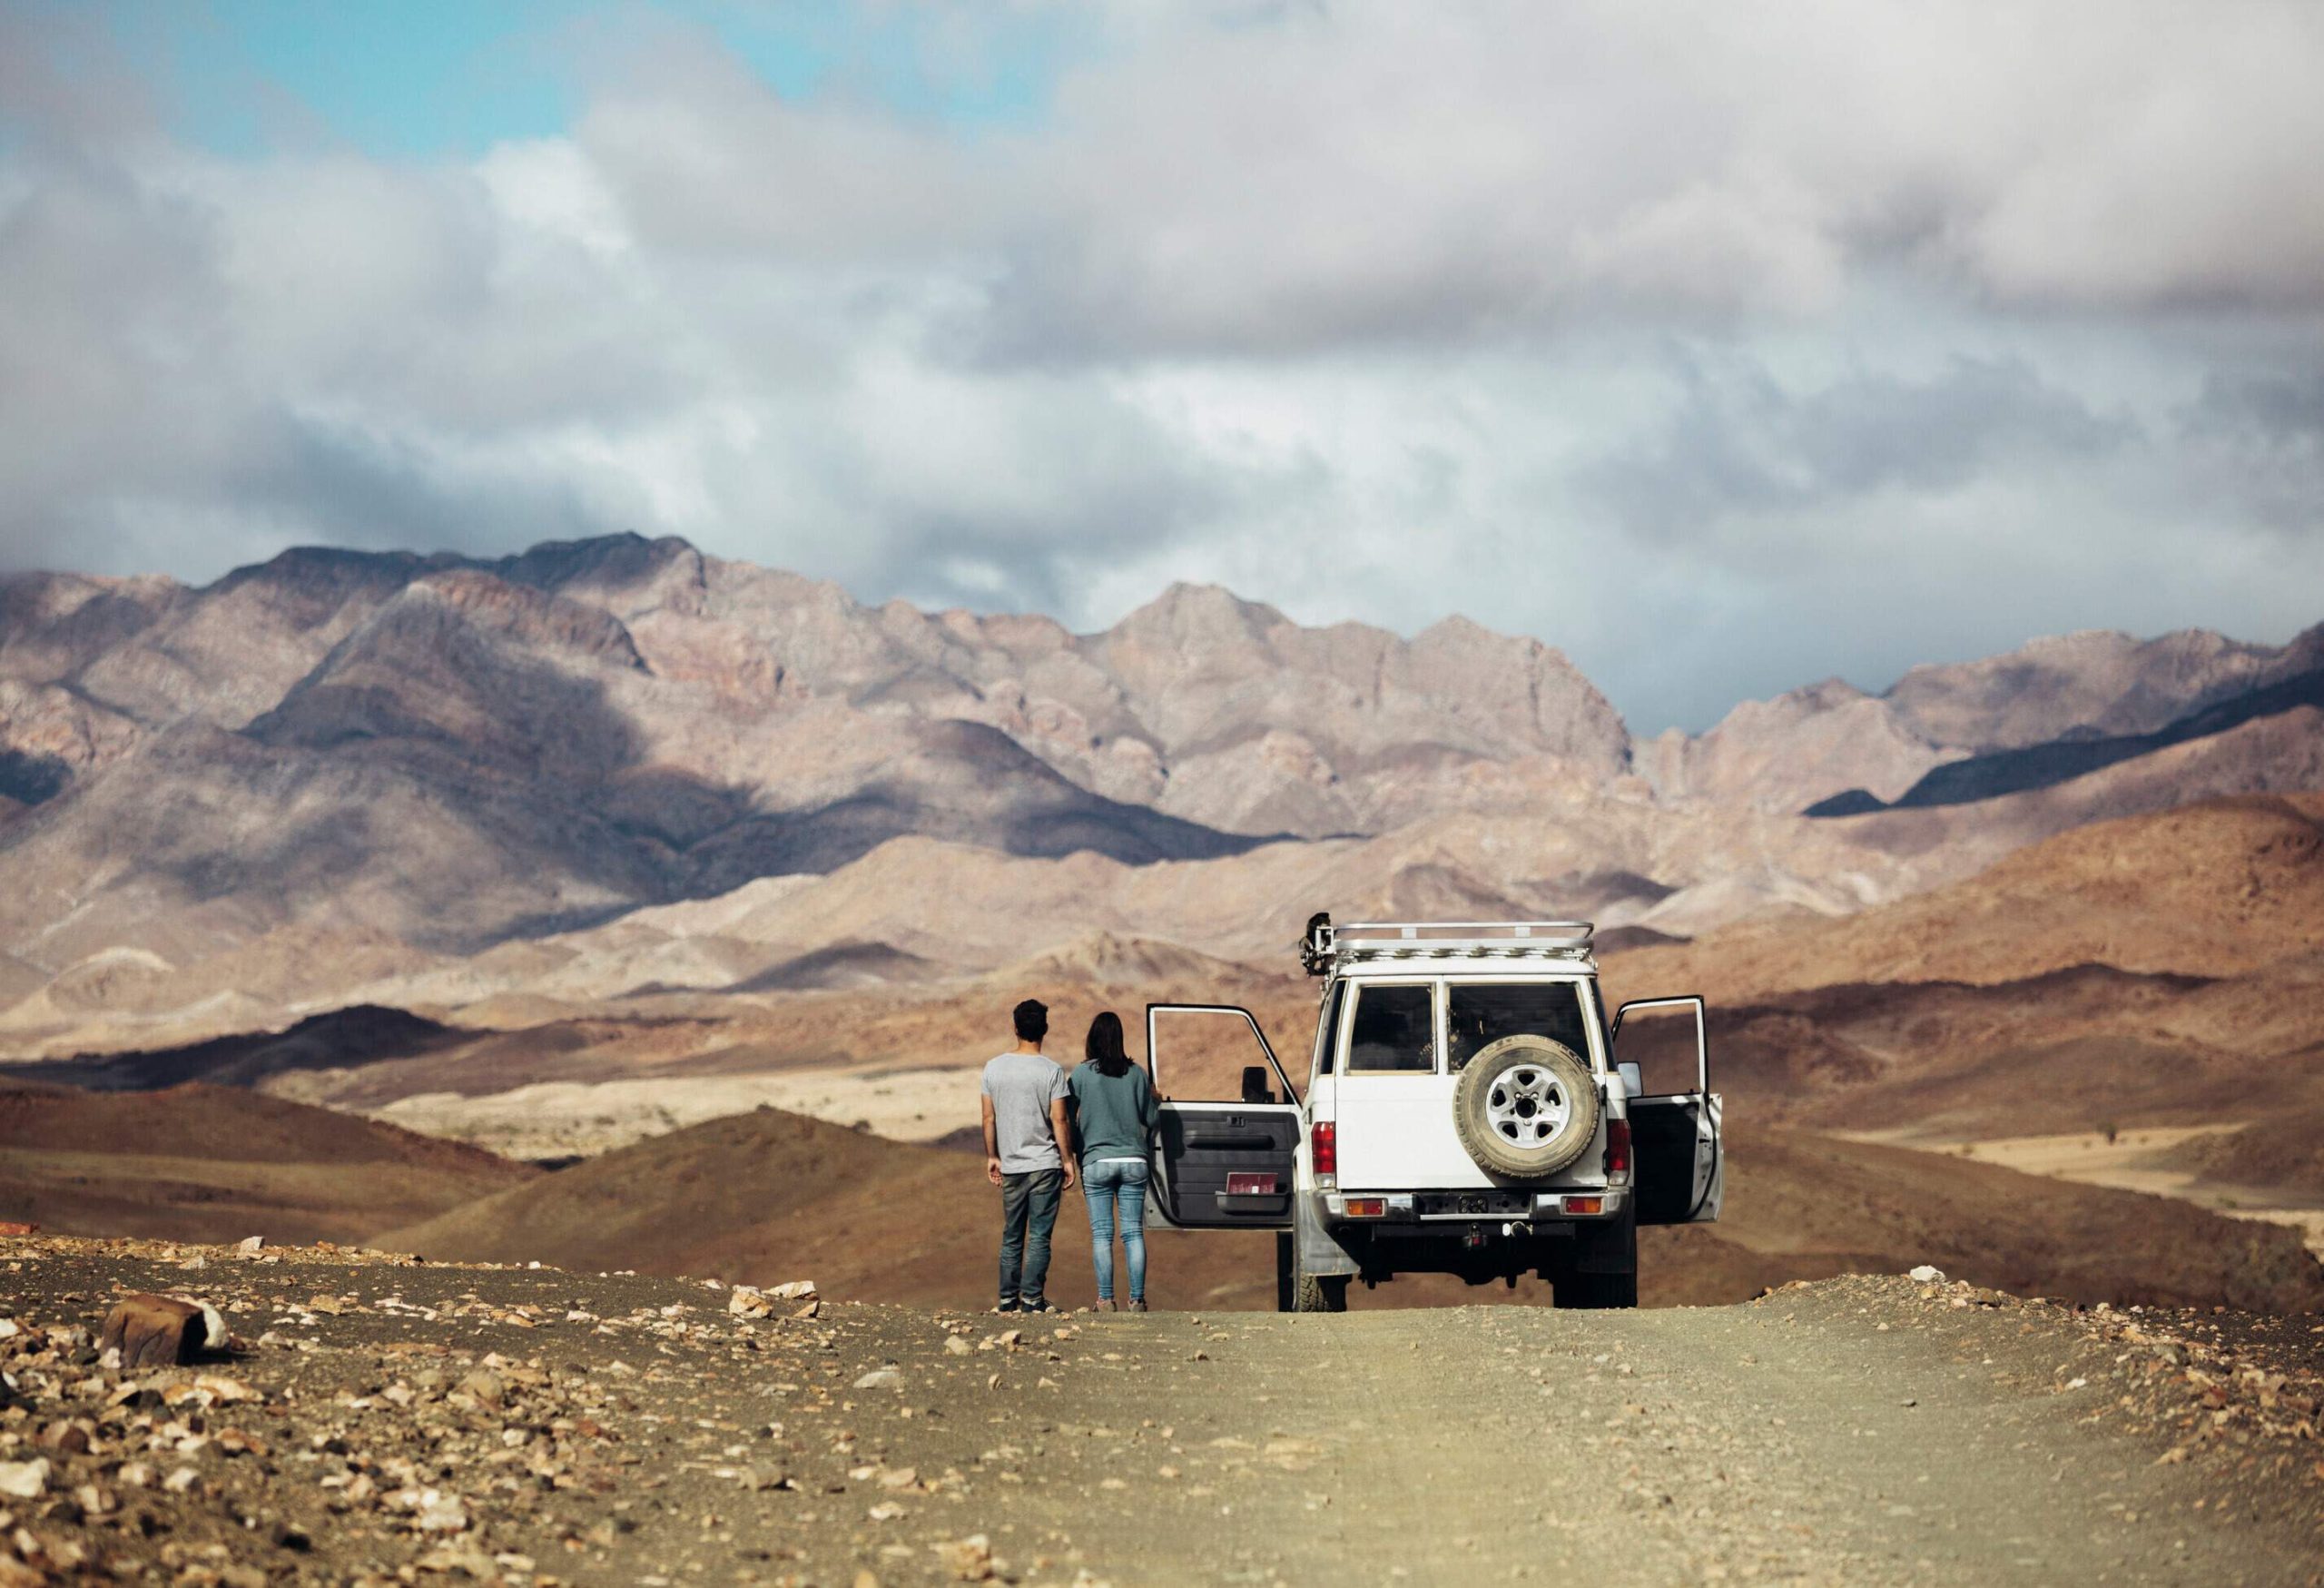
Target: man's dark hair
point(1032, 1017)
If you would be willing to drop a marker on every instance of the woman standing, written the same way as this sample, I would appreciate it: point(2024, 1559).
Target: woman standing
point(1114, 1114)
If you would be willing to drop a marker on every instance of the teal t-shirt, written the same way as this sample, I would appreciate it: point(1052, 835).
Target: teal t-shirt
point(1114, 1114)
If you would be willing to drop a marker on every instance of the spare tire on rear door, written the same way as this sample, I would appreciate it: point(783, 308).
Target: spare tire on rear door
point(1526, 1107)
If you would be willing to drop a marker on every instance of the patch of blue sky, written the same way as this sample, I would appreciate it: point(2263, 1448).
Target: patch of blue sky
point(959, 65)
point(393, 78)
point(425, 78)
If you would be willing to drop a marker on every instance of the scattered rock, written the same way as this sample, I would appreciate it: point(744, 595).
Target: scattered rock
point(968, 1560)
point(155, 1331)
point(485, 1388)
point(249, 1246)
point(881, 1378)
point(1927, 1275)
point(24, 1480)
point(444, 1514)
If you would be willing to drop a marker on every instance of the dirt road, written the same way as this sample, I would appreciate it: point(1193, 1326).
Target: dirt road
point(628, 1430)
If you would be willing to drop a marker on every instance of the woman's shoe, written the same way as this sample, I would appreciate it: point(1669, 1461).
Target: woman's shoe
point(1137, 1304)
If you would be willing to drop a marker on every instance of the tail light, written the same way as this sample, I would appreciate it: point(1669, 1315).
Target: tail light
point(1324, 1149)
point(1588, 1205)
point(1367, 1207)
point(1617, 1148)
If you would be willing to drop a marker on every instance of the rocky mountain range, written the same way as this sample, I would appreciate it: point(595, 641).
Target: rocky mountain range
point(340, 770)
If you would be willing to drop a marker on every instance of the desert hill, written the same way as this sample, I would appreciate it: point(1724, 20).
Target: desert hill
point(426, 781)
point(2220, 888)
point(2051, 710)
point(2159, 975)
point(765, 1196)
point(217, 1163)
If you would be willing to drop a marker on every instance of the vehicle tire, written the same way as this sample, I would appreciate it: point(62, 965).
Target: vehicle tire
point(1525, 1108)
point(1301, 1291)
point(1594, 1292)
point(1320, 1293)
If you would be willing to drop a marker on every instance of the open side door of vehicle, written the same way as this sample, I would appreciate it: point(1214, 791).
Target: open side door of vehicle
point(1680, 1174)
point(1230, 1121)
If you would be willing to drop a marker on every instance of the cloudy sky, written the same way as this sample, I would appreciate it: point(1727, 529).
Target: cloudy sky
point(1727, 347)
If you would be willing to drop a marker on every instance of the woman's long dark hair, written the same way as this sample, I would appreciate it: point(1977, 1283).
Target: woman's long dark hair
point(1103, 1048)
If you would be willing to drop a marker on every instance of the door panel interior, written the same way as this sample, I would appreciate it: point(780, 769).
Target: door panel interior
point(1228, 1166)
point(1675, 1136)
point(1665, 1133)
point(1221, 1162)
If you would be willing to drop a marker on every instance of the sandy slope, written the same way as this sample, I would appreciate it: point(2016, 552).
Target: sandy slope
point(768, 1196)
point(211, 1163)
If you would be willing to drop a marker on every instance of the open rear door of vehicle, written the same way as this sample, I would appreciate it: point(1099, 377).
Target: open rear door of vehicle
point(1230, 1121)
point(1680, 1173)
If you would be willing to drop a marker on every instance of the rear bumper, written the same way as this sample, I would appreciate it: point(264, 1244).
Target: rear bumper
point(1437, 1209)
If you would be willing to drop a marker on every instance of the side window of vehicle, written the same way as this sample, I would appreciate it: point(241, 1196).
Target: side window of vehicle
point(1327, 1035)
point(1478, 1015)
point(1394, 1031)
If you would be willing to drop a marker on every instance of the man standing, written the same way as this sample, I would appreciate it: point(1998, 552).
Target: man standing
point(1024, 1127)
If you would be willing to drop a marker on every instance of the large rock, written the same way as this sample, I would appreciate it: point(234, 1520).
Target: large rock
point(154, 1331)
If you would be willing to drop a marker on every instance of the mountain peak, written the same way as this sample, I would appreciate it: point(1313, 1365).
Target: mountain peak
point(1184, 601)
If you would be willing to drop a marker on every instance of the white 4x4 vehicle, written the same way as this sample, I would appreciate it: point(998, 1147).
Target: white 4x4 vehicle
point(1465, 1113)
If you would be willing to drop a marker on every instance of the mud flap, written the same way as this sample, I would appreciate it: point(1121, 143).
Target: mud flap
point(1320, 1253)
point(1610, 1247)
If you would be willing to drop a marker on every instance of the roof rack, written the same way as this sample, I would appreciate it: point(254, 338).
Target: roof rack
point(1326, 946)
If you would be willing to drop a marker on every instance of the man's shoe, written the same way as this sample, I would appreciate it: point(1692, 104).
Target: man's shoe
point(1006, 1304)
point(1036, 1305)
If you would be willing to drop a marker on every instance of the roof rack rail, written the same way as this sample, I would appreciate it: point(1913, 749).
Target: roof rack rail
point(1326, 946)
point(1468, 930)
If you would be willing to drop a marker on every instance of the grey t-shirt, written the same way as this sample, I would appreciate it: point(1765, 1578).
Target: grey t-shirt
point(1022, 1086)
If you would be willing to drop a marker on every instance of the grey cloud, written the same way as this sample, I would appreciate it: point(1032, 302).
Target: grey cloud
point(1741, 440)
point(1366, 310)
point(2258, 439)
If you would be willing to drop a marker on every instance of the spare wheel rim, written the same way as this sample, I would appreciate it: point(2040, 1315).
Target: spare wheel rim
point(1527, 1106)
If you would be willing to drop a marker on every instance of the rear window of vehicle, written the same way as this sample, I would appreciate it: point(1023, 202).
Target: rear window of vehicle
point(1477, 1015)
point(1327, 1035)
point(1394, 1030)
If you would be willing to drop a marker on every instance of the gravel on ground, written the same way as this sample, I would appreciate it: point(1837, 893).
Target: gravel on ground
point(377, 1419)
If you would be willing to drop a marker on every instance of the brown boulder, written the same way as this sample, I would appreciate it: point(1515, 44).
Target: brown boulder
point(153, 1331)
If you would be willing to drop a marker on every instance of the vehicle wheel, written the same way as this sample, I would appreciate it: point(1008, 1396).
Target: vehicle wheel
point(1594, 1292)
point(1321, 1293)
point(1525, 1108)
point(1308, 1292)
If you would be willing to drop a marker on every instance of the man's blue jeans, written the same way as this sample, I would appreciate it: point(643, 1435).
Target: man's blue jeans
point(1104, 1186)
point(1028, 1214)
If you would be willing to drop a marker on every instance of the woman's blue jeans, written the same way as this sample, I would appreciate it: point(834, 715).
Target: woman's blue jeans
point(1105, 1186)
